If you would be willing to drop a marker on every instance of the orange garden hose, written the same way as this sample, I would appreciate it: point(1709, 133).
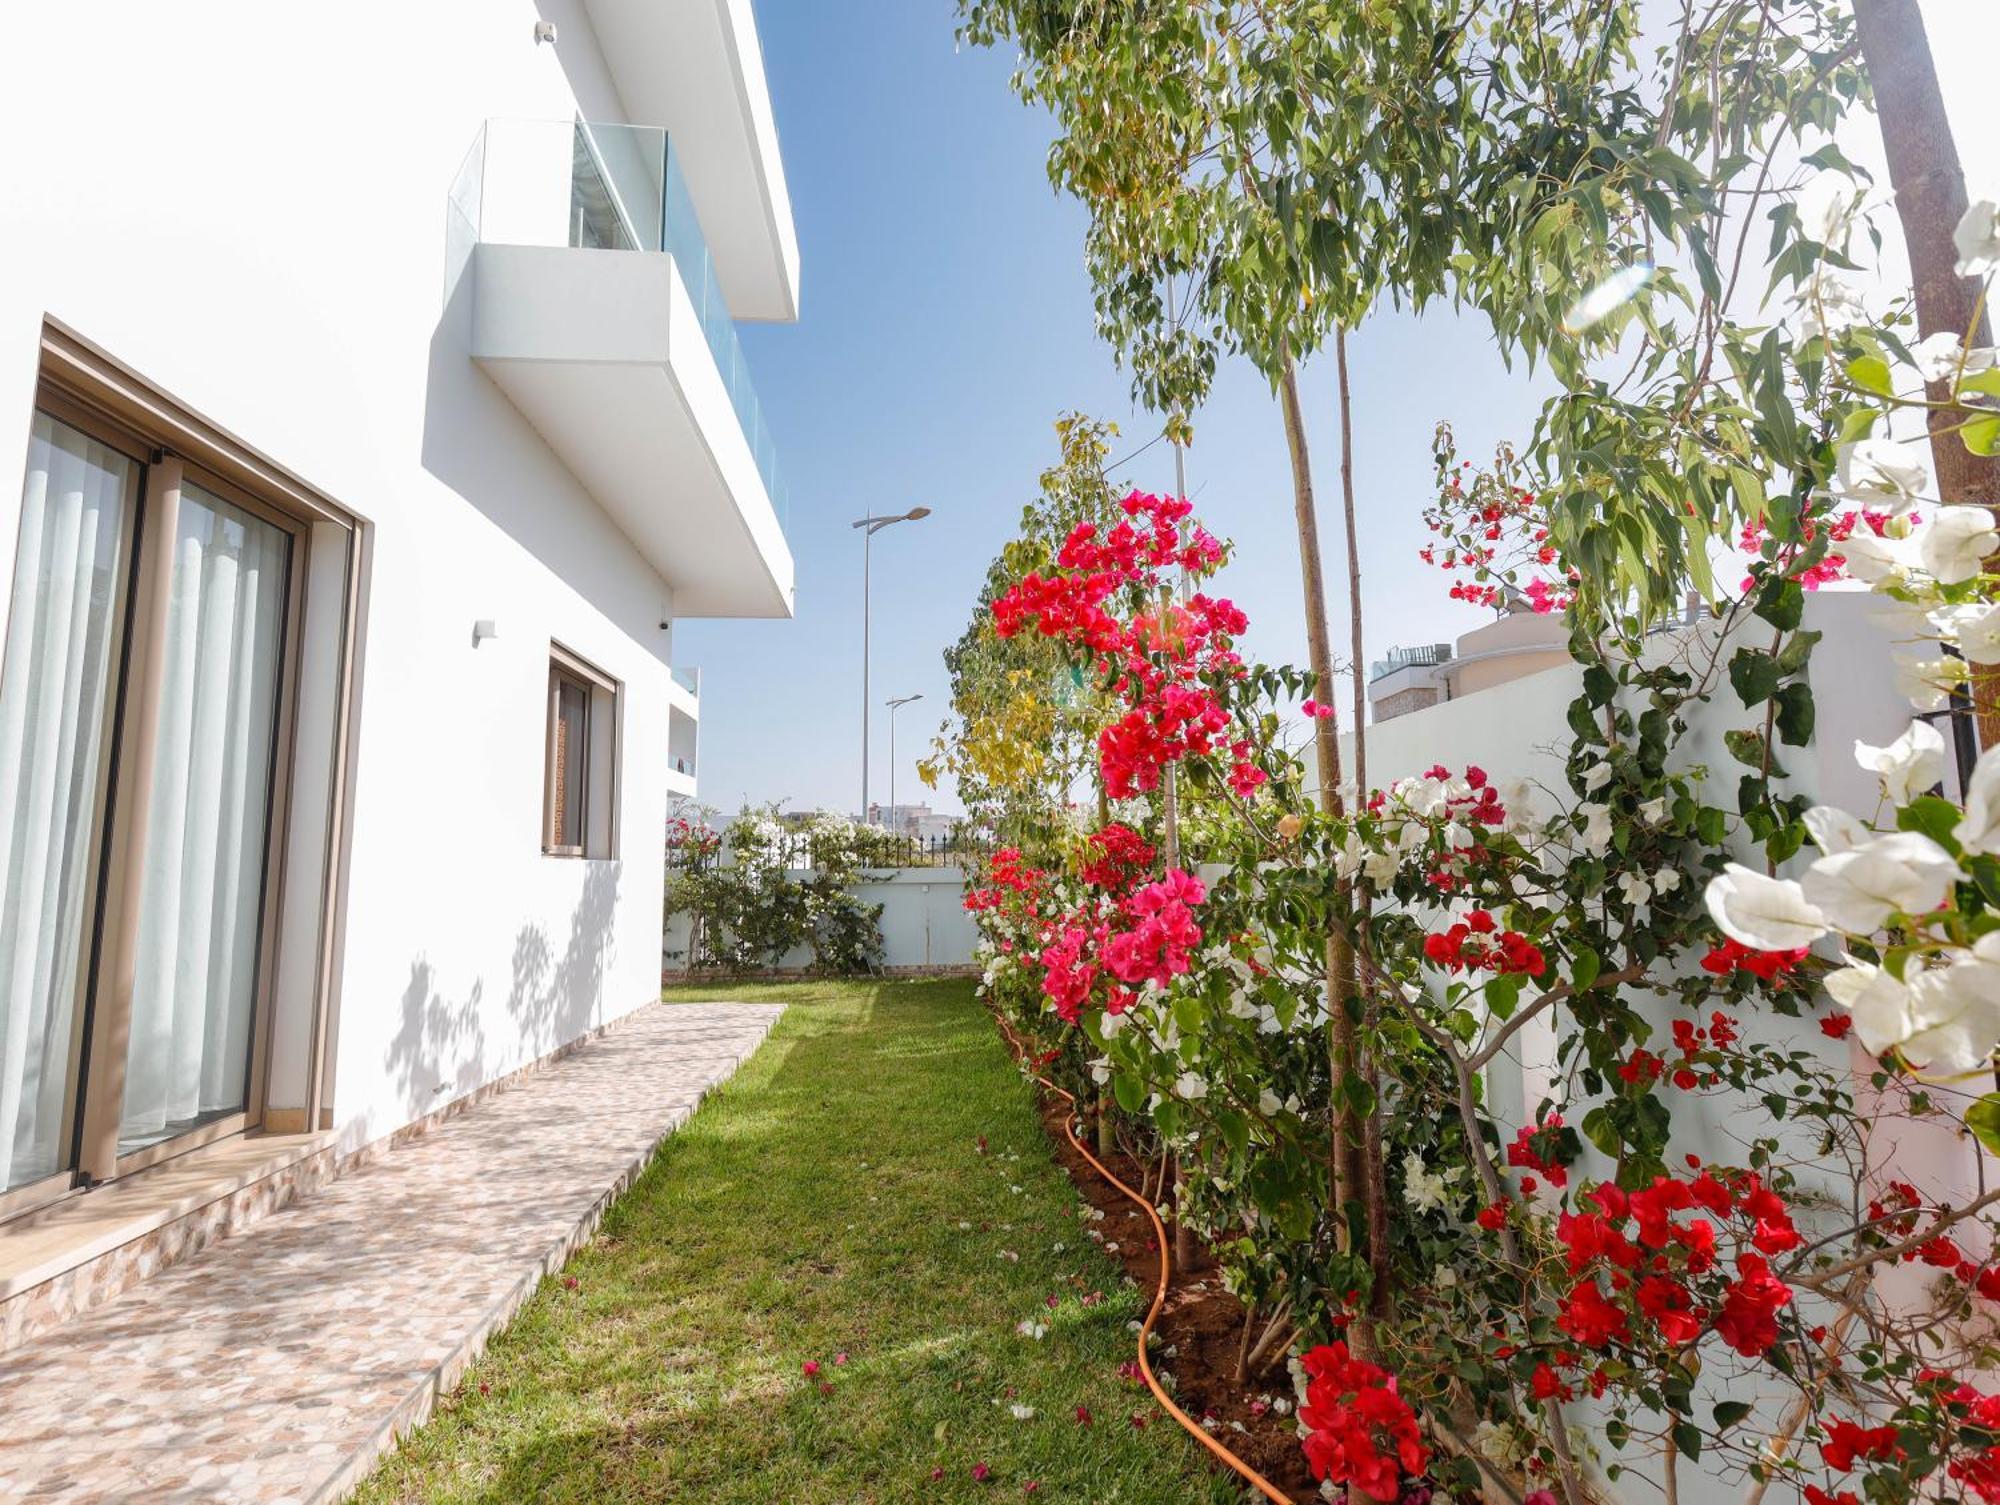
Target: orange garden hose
point(1194, 1429)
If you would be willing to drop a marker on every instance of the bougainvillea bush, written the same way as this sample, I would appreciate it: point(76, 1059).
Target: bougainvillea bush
point(1747, 1223)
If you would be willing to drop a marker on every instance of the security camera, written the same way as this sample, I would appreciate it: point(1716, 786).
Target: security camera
point(545, 31)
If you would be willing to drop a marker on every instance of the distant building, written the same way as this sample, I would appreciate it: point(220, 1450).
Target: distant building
point(920, 821)
point(1414, 679)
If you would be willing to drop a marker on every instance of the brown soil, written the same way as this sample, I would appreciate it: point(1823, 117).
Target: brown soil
point(1200, 1322)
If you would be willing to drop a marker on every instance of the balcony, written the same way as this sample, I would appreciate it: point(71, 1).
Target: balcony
point(683, 730)
point(596, 307)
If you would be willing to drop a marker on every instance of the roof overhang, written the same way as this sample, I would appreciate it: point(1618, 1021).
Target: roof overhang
point(695, 67)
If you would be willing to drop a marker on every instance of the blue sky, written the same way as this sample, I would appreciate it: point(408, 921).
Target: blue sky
point(945, 321)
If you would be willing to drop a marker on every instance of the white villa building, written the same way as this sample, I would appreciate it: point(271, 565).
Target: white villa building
point(371, 411)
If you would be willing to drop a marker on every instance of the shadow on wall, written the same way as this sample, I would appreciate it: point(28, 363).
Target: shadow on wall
point(556, 998)
point(477, 443)
point(440, 1051)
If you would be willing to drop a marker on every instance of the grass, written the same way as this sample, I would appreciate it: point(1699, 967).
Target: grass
point(831, 1198)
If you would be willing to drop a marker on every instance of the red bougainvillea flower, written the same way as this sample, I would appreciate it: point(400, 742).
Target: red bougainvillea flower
point(1734, 956)
point(1360, 1432)
point(1083, 1416)
point(1748, 1321)
point(1589, 1318)
point(1316, 710)
point(981, 1473)
point(1847, 1442)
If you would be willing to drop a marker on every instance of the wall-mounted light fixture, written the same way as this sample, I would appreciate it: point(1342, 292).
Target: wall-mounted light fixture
point(545, 31)
point(483, 629)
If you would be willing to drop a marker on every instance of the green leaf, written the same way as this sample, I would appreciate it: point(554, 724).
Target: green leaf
point(1584, 966)
point(1687, 1437)
point(1730, 1412)
point(1129, 1090)
point(1982, 435)
point(1795, 714)
point(1503, 995)
point(1932, 816)
point(1871, 374)
point(1745, 746)
point(1782, 603)
point(1983, 1119)
point(1753, 674)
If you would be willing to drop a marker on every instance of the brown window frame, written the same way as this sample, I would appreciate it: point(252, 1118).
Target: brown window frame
point(601, 705)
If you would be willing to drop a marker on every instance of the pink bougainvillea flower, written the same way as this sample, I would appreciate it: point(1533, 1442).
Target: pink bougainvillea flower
point(840, 1358)
point(981, 1473)
point(809, 1368)
point(1083, 1416)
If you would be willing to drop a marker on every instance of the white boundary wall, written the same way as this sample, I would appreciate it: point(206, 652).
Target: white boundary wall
point(924, 923)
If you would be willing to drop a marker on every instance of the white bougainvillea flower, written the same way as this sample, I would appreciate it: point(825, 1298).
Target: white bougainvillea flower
point(1666, 880)
point(1873, 559)
point(1957, 1010)
point(1978, 633)
point(1766, 914)
point(1881, 1005)
point(1908, 766)
point(1829, 304)
point(1633, 887)
point(1596, 777)
point(1596, 826)
point(1424, 1189)
point(1978, 831)
point(1943, 356)
point(1833, 829)
point(1955, 542)
point(1977, 238)
point(1882, 472)
point(1924, 680)
point(1191, 1087)
point(1826, 205)
point(1904, 872)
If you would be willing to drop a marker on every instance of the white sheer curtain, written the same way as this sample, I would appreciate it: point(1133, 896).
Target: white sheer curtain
point(202, 886)
point(54, 693)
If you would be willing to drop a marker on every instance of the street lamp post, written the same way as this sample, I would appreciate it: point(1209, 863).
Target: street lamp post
point(894, 706)
point(870, 526)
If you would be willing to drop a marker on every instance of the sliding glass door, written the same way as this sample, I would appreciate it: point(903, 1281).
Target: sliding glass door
point(201, 892)
point(144, 701)
point(64, 629)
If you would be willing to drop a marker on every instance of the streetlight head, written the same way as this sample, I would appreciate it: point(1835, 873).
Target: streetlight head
point(916, 512)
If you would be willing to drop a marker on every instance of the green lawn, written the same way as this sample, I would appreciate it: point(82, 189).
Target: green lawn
point(831, 1199)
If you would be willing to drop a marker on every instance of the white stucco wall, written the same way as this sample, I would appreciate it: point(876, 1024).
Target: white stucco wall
point(245, 203)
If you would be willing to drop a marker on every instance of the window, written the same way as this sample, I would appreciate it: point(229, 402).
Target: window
point(580, 792)
point(160, 642)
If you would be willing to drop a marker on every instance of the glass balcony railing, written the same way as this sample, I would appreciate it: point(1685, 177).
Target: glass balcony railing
point(689, 680)
point(606, 187)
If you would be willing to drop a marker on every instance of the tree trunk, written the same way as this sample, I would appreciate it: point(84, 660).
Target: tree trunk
point(1326, 749)
point(1374, 1180)
point(1930, 200)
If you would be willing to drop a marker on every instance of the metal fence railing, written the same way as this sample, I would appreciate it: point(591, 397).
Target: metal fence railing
point(875, 849)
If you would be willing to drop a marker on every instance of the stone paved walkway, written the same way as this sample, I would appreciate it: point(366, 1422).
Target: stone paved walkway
point(277, 1365)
